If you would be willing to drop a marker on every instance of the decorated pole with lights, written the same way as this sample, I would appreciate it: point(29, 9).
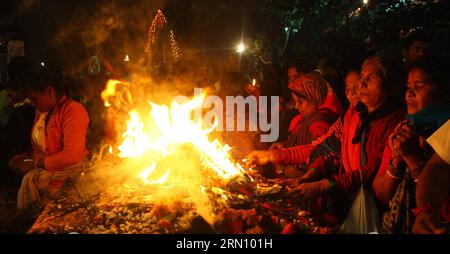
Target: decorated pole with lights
point(161, 42)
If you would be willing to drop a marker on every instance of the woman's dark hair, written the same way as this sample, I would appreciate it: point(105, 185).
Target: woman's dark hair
point(437, 70)
point(39, 76)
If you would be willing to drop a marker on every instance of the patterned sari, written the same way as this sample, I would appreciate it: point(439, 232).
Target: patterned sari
point(399, 218)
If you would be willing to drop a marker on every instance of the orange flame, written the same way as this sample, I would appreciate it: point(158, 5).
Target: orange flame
point(161, 138)
point(109, 91)
point(175, 128)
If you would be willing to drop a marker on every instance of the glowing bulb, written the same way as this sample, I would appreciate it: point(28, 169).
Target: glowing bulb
point(127, 58)
point(42, 64)
point(365, 1)
point(254, 82)
point(240, 48)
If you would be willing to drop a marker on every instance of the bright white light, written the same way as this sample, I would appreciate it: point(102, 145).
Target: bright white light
point(365, 1)
point(126, 59)
point(42, 64)
point(240, 48)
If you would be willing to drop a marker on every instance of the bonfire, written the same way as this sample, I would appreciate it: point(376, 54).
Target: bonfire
point(167, 175)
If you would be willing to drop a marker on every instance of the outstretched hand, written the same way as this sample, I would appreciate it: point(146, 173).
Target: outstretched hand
point(21, 164)
point(290, 183)
point(310, 190)
point(260, 158)
point(276, 145)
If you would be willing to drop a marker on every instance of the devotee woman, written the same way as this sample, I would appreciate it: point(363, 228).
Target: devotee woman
point(309, 93)
point(58, 138)
point(352, 87)
point(427, 109)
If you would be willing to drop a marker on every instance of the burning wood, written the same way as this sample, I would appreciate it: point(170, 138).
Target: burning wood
point(242, 206)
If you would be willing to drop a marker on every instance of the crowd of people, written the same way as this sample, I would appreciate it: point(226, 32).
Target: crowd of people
point(391, 137)
point(384, 141)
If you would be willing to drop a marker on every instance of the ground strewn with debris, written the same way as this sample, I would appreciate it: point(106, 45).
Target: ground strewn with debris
point(10, 221)
point(238, 210)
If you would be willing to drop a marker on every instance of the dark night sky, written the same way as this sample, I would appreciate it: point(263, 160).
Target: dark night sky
point(69, 31)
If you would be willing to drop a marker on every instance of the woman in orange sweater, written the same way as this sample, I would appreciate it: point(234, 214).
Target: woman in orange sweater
point(58, 137)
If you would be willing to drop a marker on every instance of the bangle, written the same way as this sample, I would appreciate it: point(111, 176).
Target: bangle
point(417, 211)
point(391, 165)
point(391, 169)
point(391, 175)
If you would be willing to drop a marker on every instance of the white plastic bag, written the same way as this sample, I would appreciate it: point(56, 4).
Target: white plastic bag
point(363, 216)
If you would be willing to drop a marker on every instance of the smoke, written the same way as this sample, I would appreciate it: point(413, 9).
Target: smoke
point(70, 31)
point(25, 6)
point(106, 21)
point(101, 21)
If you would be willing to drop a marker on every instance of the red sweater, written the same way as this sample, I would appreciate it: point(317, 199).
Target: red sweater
point(349, 178)
point(65, 135)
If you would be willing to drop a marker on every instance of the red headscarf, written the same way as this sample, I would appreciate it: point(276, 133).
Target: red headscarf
point(311, 87)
